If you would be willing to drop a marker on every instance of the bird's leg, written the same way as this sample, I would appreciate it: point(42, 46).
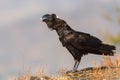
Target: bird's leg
point(75, 65)
point(74, 68)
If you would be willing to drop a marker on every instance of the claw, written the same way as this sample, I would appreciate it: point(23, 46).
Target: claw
point(71, 71)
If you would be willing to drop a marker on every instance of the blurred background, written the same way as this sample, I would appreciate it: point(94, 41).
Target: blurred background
point(25, 41)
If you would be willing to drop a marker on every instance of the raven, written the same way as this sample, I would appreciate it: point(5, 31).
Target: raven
point(77, 43)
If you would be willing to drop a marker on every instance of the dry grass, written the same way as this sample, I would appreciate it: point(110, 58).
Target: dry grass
point(110, 72)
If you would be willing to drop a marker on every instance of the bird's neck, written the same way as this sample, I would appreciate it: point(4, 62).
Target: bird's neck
point(60, 31)
point(63, 29)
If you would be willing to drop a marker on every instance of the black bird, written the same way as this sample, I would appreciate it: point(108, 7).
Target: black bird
point(77, 43)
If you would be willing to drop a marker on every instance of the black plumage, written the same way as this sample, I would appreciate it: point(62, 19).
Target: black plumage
point(77, 43)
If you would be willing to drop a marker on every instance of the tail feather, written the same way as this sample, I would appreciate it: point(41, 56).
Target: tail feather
point(107, 49)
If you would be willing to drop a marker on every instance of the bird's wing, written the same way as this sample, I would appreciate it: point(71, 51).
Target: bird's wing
point(89, 41)
point(84, 40)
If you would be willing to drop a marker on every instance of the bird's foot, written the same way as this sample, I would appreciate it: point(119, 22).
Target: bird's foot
point(71, 71)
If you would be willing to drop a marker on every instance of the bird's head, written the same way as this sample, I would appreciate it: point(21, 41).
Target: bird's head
point(50, 20)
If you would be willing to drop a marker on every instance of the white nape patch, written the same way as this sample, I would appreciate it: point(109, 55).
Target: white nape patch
point(57, 16)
